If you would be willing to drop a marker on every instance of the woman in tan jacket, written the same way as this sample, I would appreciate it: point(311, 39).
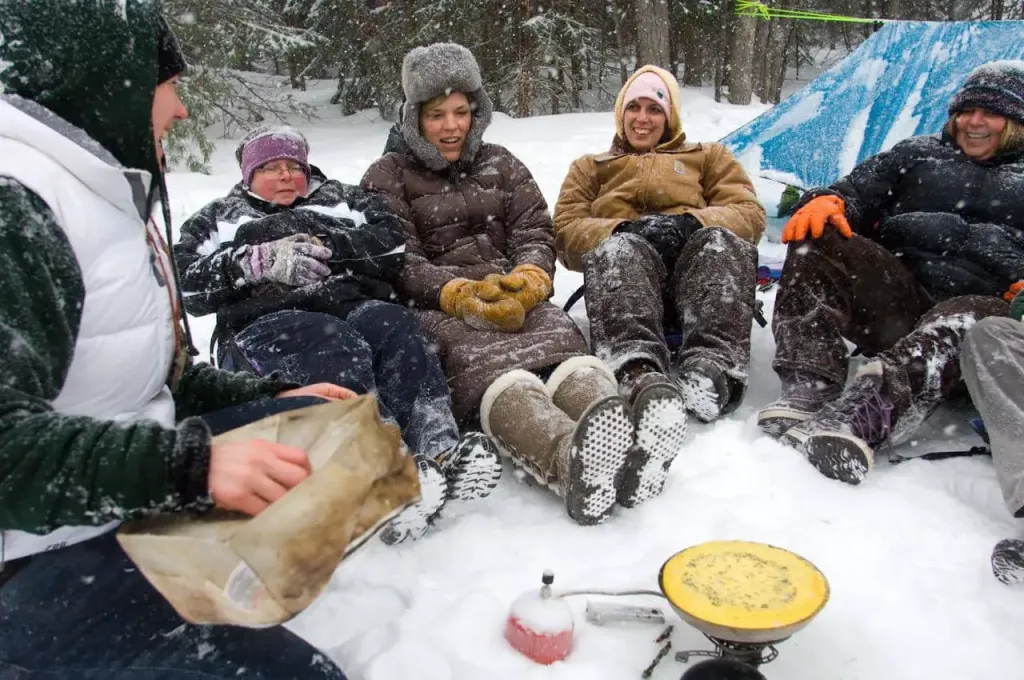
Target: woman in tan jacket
point(665, 233)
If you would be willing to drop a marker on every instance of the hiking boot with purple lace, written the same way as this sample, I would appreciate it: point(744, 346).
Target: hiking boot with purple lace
point(803, 395)
point(841, 438)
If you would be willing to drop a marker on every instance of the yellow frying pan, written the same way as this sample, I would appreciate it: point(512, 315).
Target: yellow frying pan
point(743, 592)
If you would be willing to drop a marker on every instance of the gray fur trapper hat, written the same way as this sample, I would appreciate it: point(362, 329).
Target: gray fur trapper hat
point(435, 70)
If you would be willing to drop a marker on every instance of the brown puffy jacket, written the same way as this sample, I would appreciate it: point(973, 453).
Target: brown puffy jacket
point(602, 190)
point(486, 219)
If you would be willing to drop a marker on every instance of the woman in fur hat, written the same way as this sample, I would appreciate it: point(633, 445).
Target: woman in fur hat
point(664, 231)
point(479, 262)
point(901, 257)
point(300, 271)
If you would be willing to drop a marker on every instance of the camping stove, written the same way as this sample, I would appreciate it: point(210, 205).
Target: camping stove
point(752, 654)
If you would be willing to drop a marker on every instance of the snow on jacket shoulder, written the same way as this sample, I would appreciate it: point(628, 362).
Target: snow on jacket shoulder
point(366, 240)
point(603, 190)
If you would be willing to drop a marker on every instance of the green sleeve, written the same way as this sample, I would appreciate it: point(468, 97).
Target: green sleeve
point(1017, 306)
point(204, 388)
point(55, 469)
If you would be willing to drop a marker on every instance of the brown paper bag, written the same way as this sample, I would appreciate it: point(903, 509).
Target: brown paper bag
point(228, 568)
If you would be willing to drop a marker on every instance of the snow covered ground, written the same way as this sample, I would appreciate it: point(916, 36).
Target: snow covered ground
point(906, 553)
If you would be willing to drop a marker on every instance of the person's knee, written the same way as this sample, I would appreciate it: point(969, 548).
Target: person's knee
point(623, 248)
point(387, 317)
point(990, 334)
point(719, 240)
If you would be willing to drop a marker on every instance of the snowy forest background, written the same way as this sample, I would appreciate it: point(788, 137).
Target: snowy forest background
point(250, 58)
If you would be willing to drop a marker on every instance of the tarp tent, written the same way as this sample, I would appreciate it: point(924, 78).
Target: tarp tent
point(895, 85)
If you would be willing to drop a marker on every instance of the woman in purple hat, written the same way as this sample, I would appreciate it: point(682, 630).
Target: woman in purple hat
point(300, 271)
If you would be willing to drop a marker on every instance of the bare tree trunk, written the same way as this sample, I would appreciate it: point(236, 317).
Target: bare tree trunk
point(620, 48)
point(997, 10)
point(652, 33)
point(694, 55)
point(775, 58)
point(761, 73)
point(295, 75)
point(741, 60)
point(722, 54)
point(891, 9)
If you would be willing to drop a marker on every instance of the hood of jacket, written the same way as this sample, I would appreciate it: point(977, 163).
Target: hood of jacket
point(675, 122)
point(92, 63)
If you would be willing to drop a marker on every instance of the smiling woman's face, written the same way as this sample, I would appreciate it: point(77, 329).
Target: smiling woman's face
point(978, 133)
point(445, 121)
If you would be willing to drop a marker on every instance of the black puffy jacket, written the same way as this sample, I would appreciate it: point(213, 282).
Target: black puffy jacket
point(957, 223)
point(365, 237)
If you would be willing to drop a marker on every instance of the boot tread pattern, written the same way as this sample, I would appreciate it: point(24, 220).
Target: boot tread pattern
point(473, 469)
point(597, 457)
point(660, 433)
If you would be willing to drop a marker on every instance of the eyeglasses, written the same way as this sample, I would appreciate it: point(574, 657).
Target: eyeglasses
point(281, 169)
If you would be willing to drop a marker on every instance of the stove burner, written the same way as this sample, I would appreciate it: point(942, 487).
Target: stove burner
point(744, 652)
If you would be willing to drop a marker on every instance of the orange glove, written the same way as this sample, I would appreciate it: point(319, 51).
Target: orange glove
point(1014, 290)
point(527, 283)
point(813, 216)
point(482, 305)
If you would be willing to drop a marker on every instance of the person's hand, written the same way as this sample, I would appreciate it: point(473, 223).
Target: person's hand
point(528, 284)
point(482, 305)
point(812, 218)
point(297, 261)
point(489, 308)
point(1013, 291)
point(322, 390)
point(248, 476)
point(667, 234)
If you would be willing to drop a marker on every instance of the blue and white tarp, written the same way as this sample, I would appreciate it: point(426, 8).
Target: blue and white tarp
point(897, 84)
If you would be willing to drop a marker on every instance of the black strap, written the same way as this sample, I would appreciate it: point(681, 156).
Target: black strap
point(574, 298)
point(942, 455)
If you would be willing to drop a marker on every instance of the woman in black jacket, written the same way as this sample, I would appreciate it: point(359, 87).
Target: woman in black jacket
point(925, 239)
point(300, 271)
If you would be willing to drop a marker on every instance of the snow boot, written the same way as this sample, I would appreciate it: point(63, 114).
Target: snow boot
point(705, 388)
point(803, 395)
point(660, 418)
point(472, 467)
point(414, 521)
point(580, 461)
point(841, 438)
point(1008, 561)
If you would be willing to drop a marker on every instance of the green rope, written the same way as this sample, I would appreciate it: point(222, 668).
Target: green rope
point(756, 8)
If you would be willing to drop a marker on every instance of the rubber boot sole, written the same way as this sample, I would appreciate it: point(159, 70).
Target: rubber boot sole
point(836, 455)
point(660, 417)
point(600, 445)
point(473, 467)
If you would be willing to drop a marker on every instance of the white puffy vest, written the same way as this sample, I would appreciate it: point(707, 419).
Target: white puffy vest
point(126, 340)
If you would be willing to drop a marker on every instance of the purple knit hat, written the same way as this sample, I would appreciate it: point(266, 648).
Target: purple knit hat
point(271, 143)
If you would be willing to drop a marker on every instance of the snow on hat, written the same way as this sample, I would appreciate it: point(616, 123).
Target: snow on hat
point(997, 86)
point(650, 85)
point(170, 59)
point(435, 70)
point(271, 143)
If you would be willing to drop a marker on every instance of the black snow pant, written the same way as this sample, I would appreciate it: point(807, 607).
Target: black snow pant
point(709, 296)
point(378, 348)
point(835, 289)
